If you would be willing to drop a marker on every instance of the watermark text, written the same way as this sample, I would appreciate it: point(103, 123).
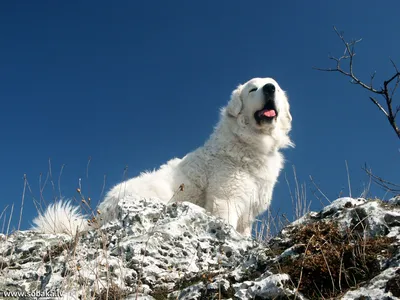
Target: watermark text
point(34, 294)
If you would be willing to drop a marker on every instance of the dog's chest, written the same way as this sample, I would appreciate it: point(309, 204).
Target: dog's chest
point(262, 168)
point(262, 174)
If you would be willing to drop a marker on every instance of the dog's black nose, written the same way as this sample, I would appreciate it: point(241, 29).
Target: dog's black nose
point(268, 89)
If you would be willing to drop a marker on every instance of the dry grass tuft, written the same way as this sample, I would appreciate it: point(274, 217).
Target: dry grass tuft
point(113, 292)
point(330, 262)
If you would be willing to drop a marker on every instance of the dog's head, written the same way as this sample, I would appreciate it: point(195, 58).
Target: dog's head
point(260, 106)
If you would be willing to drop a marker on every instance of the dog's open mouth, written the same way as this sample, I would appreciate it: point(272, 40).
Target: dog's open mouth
point(267, 113)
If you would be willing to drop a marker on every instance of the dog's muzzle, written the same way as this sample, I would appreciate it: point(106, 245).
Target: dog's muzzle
point(268, 112)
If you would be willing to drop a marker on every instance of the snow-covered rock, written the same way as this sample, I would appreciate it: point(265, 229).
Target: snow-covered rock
point(395, 200)
point(179, 251)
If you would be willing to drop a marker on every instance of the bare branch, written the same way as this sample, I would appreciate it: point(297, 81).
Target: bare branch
point(326, 70)
point(386, 185)
point(379, 105)
point(394, 65)
point(372, 78)
point(385, 83)
point(397, 111)
point(386, 92)
point(395, 87)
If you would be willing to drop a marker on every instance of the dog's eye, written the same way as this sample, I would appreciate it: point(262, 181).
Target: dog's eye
point(253, 90)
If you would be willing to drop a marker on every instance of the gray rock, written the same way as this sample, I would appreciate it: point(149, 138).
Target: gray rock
point(395, 200)
point(179, 251)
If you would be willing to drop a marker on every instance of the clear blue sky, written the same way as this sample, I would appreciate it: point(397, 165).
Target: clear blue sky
point(136, 83)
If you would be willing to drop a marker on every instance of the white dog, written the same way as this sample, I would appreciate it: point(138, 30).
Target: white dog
point(232, 176)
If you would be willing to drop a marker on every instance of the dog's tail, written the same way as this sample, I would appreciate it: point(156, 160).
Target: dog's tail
point(60, 217)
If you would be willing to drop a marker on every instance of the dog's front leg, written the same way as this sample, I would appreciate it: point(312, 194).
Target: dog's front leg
point(228, 207)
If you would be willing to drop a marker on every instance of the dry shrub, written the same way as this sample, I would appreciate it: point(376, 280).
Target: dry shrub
point(331, 262)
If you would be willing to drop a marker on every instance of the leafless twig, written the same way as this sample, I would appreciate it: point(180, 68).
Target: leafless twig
point(386, 91)
point(387, 185)
point(319, 190)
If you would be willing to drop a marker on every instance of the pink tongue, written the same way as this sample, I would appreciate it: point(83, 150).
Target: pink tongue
point(269, 113)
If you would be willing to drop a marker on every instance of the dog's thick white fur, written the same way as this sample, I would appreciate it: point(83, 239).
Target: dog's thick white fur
point(232, 176)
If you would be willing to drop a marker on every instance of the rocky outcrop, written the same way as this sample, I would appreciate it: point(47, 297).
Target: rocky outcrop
point(348, 250)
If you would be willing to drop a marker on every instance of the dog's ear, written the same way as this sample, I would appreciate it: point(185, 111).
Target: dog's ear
point(288, 116)
point(235, 104)
point(286, 123)
point(286, 119)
